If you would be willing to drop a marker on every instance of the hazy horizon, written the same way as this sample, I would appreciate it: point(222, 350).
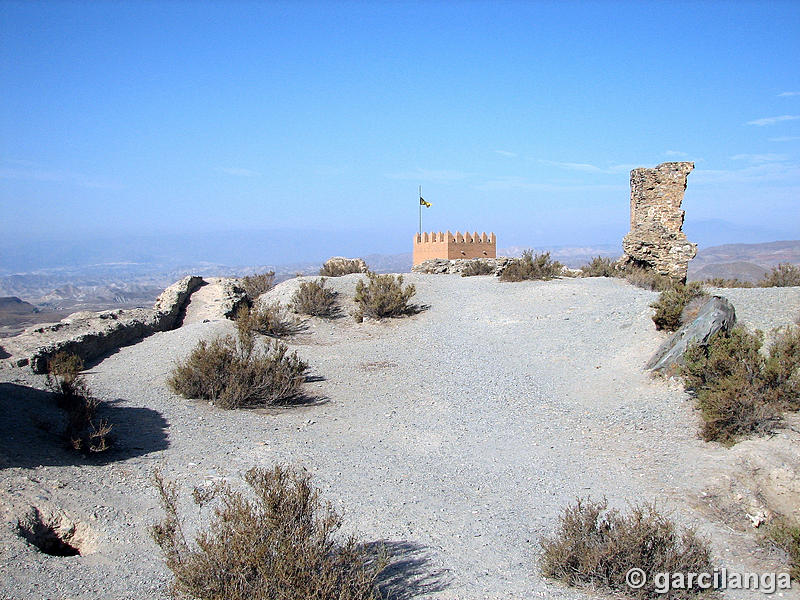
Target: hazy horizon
point(290, 247)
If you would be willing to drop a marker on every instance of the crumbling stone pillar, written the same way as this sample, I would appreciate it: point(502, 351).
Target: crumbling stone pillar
point(656, 240)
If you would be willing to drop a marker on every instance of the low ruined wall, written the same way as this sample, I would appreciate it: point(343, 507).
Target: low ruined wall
point(91, 335)
point(172, 301)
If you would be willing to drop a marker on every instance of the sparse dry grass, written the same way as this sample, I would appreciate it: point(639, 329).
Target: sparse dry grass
point(786, 535)
point(234, 373)
point(276, 542)
point(255, 285)
point(672, 302)
point(738, 390)
point(531, 266)
point(784, 275)
point(596, 547)
point(647, 279)
point(83, 432)
point(720, 282)
point(313, 298)
point(384, 296)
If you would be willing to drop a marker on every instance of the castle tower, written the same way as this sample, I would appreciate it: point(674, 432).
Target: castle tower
point(452, 246)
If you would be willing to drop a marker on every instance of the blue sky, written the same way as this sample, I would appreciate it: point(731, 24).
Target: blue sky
point(525, 118)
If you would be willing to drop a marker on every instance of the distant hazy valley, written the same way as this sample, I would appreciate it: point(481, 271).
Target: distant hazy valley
point(50, 294)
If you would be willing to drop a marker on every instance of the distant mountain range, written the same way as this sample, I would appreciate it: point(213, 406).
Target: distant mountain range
point(748, 262)
point(57, 291)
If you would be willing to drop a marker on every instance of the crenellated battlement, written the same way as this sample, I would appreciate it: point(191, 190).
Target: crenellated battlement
point(453, 245)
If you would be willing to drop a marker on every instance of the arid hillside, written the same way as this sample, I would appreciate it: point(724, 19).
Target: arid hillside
point(455, 436)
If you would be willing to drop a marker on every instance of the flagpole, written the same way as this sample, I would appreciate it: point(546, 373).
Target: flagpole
point(420, 211)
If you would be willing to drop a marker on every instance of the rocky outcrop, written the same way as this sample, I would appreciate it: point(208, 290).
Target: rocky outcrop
point(656, 240)
point(443, 266)
point(715, 315)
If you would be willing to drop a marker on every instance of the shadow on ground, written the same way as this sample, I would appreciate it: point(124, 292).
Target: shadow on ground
point(31, 427)
point(409, 573)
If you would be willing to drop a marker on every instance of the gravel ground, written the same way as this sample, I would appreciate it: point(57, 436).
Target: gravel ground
point(456, 436)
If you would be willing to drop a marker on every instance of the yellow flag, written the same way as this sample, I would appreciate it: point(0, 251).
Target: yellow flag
point(423, 202)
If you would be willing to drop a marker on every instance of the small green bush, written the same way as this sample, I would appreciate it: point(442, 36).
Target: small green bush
point(313, 298)
point(477, 267)
point(672, 302)
point(276, 542)
point(235, 373)
point(384, 296)
point(786, 536)
point(784, 275)
point(596, 547)
point(255, 285)
point(341, 266)
point(601, 266)
point(531, 266)
point(83, 432)
point(269, 320)
point(740, 391)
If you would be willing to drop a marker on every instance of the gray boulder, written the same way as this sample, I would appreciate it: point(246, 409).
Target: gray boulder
point(715, 315)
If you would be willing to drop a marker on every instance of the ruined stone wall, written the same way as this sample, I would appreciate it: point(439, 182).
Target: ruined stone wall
point(656, 240)
point(452, 246)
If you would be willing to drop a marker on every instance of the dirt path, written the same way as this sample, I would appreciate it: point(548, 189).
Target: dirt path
point(206, 302)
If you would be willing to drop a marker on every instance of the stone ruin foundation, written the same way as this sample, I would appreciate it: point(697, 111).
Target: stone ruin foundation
point(656, 240)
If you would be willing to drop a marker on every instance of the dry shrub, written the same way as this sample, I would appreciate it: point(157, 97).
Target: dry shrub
point(671, 303)
point(738, 390)
point(531, 266)
point(647, 278)
point(342, 266)
point(601, 266)
point(477, 267)
point(784, 275)
point(255, 285)
point(781, 373)
point(786, 536)
point(720, 282)
point(384, 296)
point(276, 542)
point(597, 547)
point(270, 320)
point(83, 431)
point(313, 298)
point(236, 373)
point(637, 275)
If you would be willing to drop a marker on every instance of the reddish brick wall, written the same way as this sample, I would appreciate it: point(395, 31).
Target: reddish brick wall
point(451, 246)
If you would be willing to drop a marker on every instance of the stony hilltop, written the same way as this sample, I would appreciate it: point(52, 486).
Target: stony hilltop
point(456, 436)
